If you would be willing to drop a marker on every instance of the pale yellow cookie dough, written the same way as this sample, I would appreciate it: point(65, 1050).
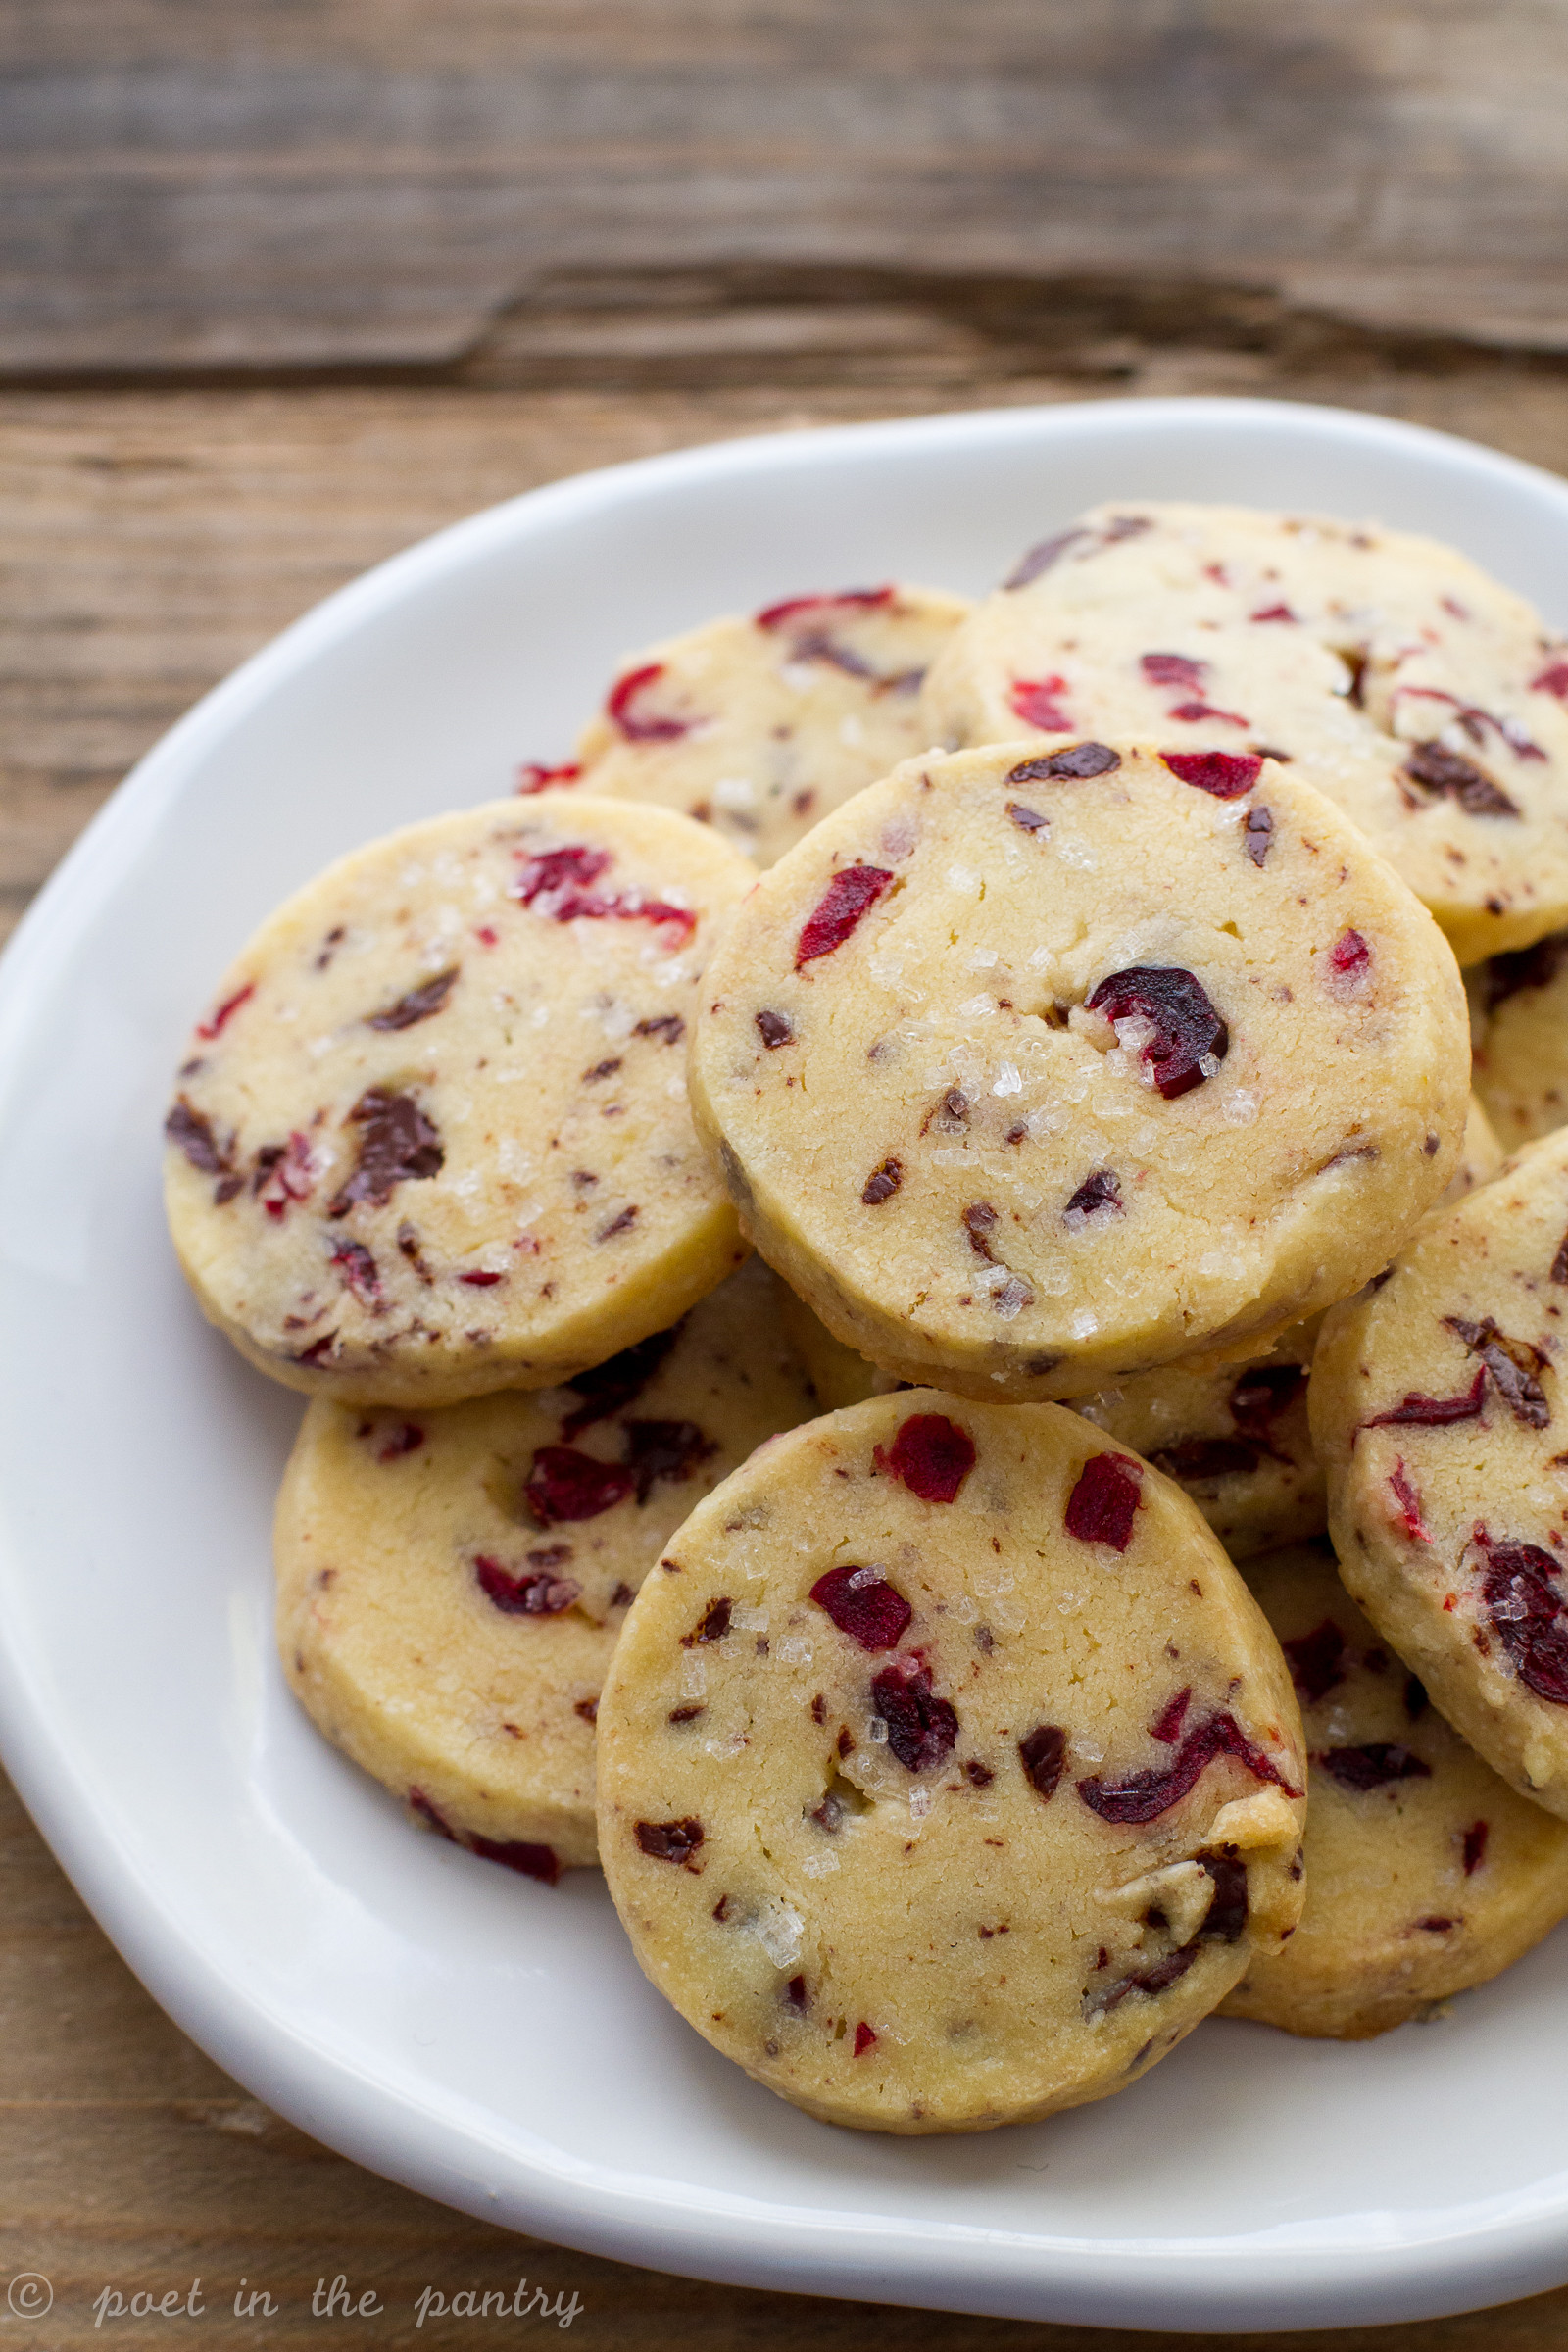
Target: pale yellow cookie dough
point(1521, 1053)
point(1423, 697)
point(1438, 1415)
point(761, 727)
point(433, 1137)
point(1425, 1874)
point(948, 1774)
point(450, 1589)
point(929, 1062)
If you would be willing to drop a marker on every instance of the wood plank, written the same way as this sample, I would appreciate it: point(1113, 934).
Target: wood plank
point(198, 187)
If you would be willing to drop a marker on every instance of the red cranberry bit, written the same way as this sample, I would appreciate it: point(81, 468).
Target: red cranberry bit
point(1349, 962)
point(865, 2037)
point(481, 1279)
point(1226, 1916)
point(318, 1350)
point(216, 1022)
point(1474, 1847)
point(418, 1005)
point(529, 1861)
point(1077, 763)
point(1559, 1264)
point(1196, 1461)
point(1035, 701)
point(1044, 1755)
point(669, 1025)
point(847, 899)
point(1316, 1660)
point(796, 1994)
point(1432, 1412)
point(557, 874)
point(671, 1841)
point(1259, 832)
point(610, 1387)
point(398, 1145)
point(622, 1223)
point(1441, 773)
point(864, 1605)
point(406, 1438)
point(1272, 613)
point(1099, 1193)
point(1191, 712)
point(775, 1029)
point(1554, 680)
point(1166, 1726)
point(1527, 1615)
point(1188, 1031)
point(1228, 775)
point(1041, 559)
point(931, 1456)
point(922, 1729)
point(713, 1623)
point(1145, 1795)
point(979, 1221)
point(1432, 1924)
point(1027, 820)
point(284, 1173)
point(846, 600)
point(563, 1484)
point(1261, 1395)
point(1172, 669)
point(191, 1132)
point(663, 1450)
point(542, 1595)
point(882, 1183)
point(359, 1273)
point(1103, 1504)
point(1375, 1766)
point(979, 1776)
point(625, 708)
point(533, 776)
point(1513, 1365)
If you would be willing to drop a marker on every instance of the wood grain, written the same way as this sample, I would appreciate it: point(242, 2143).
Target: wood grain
point(200, 184)
point(154, 539)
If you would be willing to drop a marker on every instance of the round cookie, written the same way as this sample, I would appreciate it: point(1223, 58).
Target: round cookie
point(1034, 1070)
point(1438, 1415)
point(1521, 1040)
point(993, 1790)
point(1423, 697)
point(433, 1138)
point(759, 727)
point(1425, 1874)
point(450, 1589)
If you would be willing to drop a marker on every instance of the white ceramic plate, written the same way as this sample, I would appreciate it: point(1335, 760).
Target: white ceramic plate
point(483, 2039)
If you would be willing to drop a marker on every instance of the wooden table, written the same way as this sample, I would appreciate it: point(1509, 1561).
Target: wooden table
point(283, 287)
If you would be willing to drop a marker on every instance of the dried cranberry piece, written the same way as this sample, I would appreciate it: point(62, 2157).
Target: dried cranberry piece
point(398, 1145)
point(542, 1595)
point(1191, 1459)
point(930, 1455)
point(671, 1841)
point(979, 1222)
point(431, 1815)
point(620, 1223)
point(1261, 1394)
point(418, 1005)
point(1100, 1191)
point(1027, 820)
point(1513, 1365)
point(922, 1729)
point(864, 1605)
point(1078, 762)
point(1406, 1495)
point(534, 776)
point(1527, 1615)
point(563, 1484)
point(555, 884)
point(1226, 1916)
point(481, 1279)
point(713, 1623)
point(1172, 669)
point(775, 1029)
point(1103, 1504)
point(850, 600)
point(882, 1183)
point(1449, 774)
point(1349, 960)
point(1043, 1754)
point(1188, 1031)
point(191, 1131)
point(1033, 701)
point(1527, 967)
point(1259, 832)
point(1272, 613)
point(1432, 1412)
point(1316, 1660)
point(1041, 559)
point(668, 1025)
point(359, 1273)
point(1554, 680)
point(406, 1438)
point(1376, 1766)
point(1228, 775)
point(663, 1450)
point(613, 1384)
point(559, 873)
point(865, 2037)
point(216, 1022)
point(1191, 712)
point(637, 725)
point(1474, 1847)
point(850, 895)
point(529, 1861)
point(1145, 1795)
point(1166, 1726)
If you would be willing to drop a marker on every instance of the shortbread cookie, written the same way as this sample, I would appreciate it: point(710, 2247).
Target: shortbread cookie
point(1033, 1071)
point(1424, 697)
point(761, 727)
point(1438, 1415)
point(1521, 1053)
point(433, 1138)
point(451, 1587)
point(948, 1771)
point(1425, 1874)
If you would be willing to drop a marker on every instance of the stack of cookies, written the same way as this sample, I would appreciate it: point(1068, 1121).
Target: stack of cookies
point(1101, 1560)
